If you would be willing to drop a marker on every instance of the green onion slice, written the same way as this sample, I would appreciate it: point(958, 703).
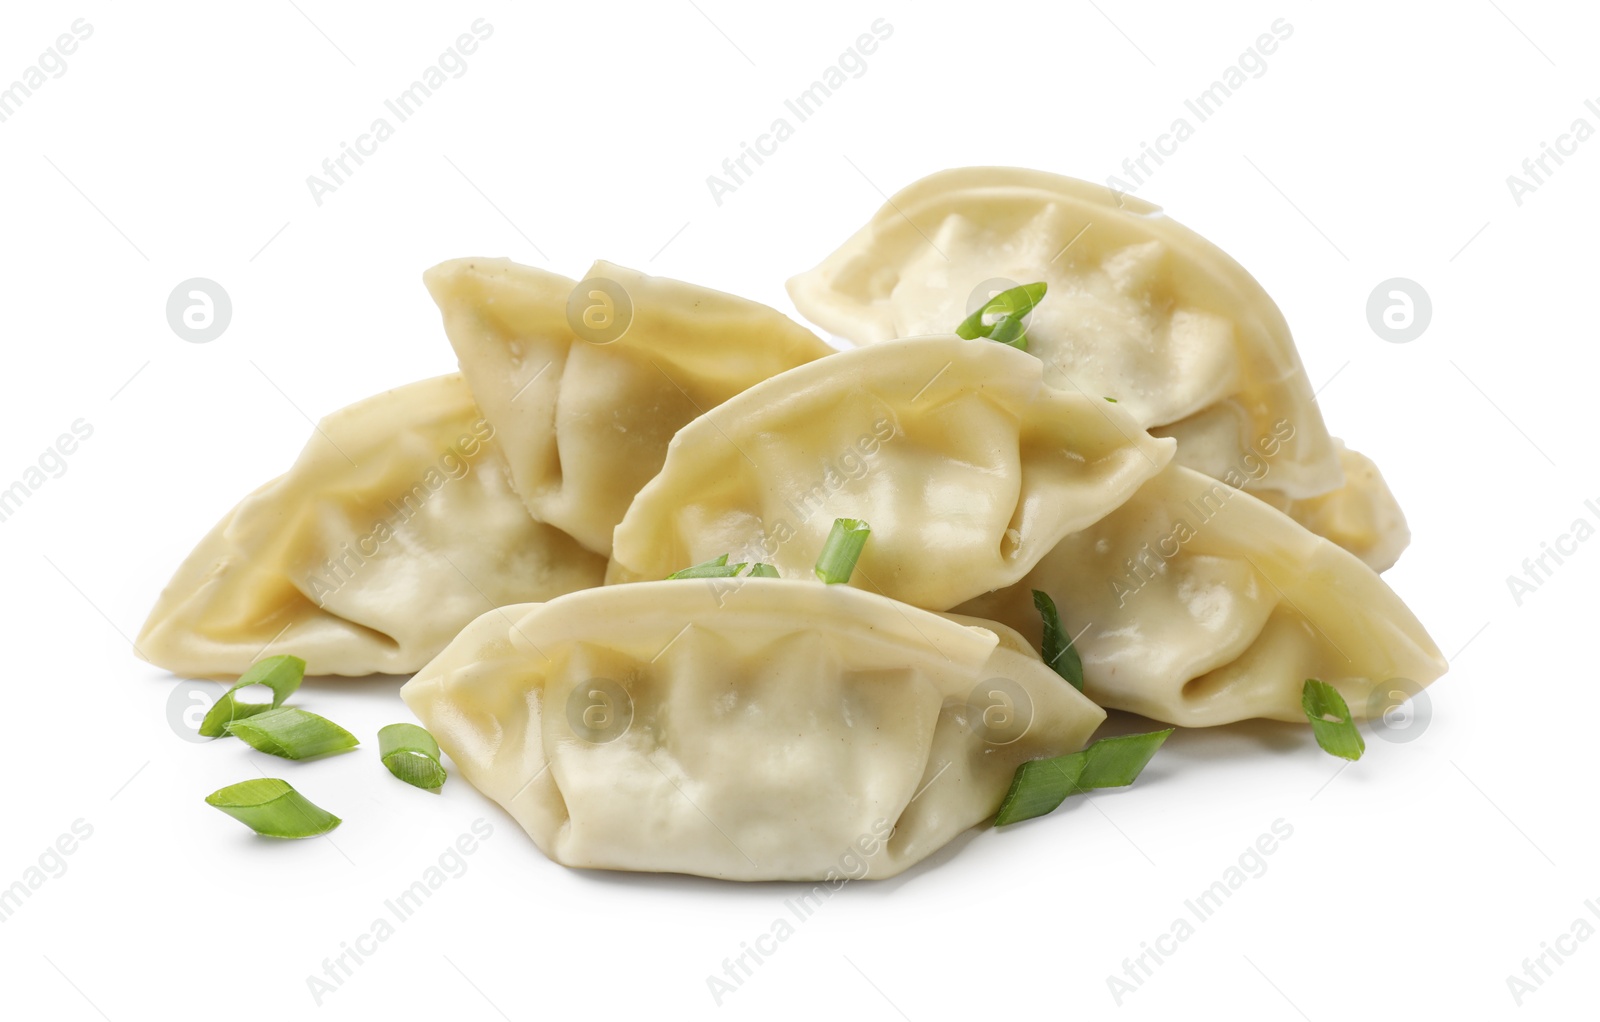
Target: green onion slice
point(837, 562)
point(1331, 721)
point(282, 674)
point(1009, 331)
point(272, 808)
point(1040, 785)
point(412, 755)
point(1001, 319)
point(293, 733)
point(717, 567)
point(1057, 649)
point(762, 570)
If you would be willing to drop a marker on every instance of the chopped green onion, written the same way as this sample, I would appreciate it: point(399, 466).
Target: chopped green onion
point(282, 674)
point(837, 562)
point(762, 570)
point(272, 808)
point(1009, 331)
point(717, 567)
point(1331, 721)
point(1040, 785)
point(1016, 301)
point(412, 755)
point(1009, 308)
point(1057, 649)
point(1112, 400)
point(1117, 762)
point(293, 733)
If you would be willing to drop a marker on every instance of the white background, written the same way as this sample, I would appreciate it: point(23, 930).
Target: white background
point(1377, 144)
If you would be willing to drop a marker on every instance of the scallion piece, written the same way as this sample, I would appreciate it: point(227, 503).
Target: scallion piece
point(281, 674)
point(717, 567)
point(1040, 785)
point(272, 808)
point(1331, 721)
point(1118, 762)
point(1009, 331)
point(1001, 318)
point(837, 562)
point(1057, 649)
point(412, 755)
point(762, 570)
point(293, 733)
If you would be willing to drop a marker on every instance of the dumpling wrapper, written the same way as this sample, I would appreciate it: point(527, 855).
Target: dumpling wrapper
point(1197, 604)
point(1139, 307)
point(777, 732)
point(967, 467)
point(584, 424)
point(396, 526)
point(1362, 516)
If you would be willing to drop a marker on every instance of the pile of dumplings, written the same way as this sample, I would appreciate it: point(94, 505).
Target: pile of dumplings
point(1154, 460)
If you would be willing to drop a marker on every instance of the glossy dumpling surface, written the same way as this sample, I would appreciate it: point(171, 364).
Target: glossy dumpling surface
point(396, 526)
point(1198, 604)
point(584, 418)
point(1139, 307)
point(967, 467)
point(1362, 516)
point(781, 731)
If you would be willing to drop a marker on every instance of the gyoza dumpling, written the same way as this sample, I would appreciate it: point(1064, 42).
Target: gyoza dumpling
point(585, 385)
point(1198, 604)
point(396, 526)
point(968, 467)
point(1139, 307)
point(781, 731)
point(1362, 515)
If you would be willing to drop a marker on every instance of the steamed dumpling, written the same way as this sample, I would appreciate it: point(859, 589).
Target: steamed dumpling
point(1362, 515)
point(1198, 604)
point(1139, 308)
point(968, 468)
point(783, 731)
point(396, 526)
point(584, 423)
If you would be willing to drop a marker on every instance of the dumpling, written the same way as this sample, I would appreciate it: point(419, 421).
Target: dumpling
point(396, 526)
point(784, 731)
point(967, 466)
point(585, 385)
point(1362, 515)
point(1198, 604)
point(1139, 308)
